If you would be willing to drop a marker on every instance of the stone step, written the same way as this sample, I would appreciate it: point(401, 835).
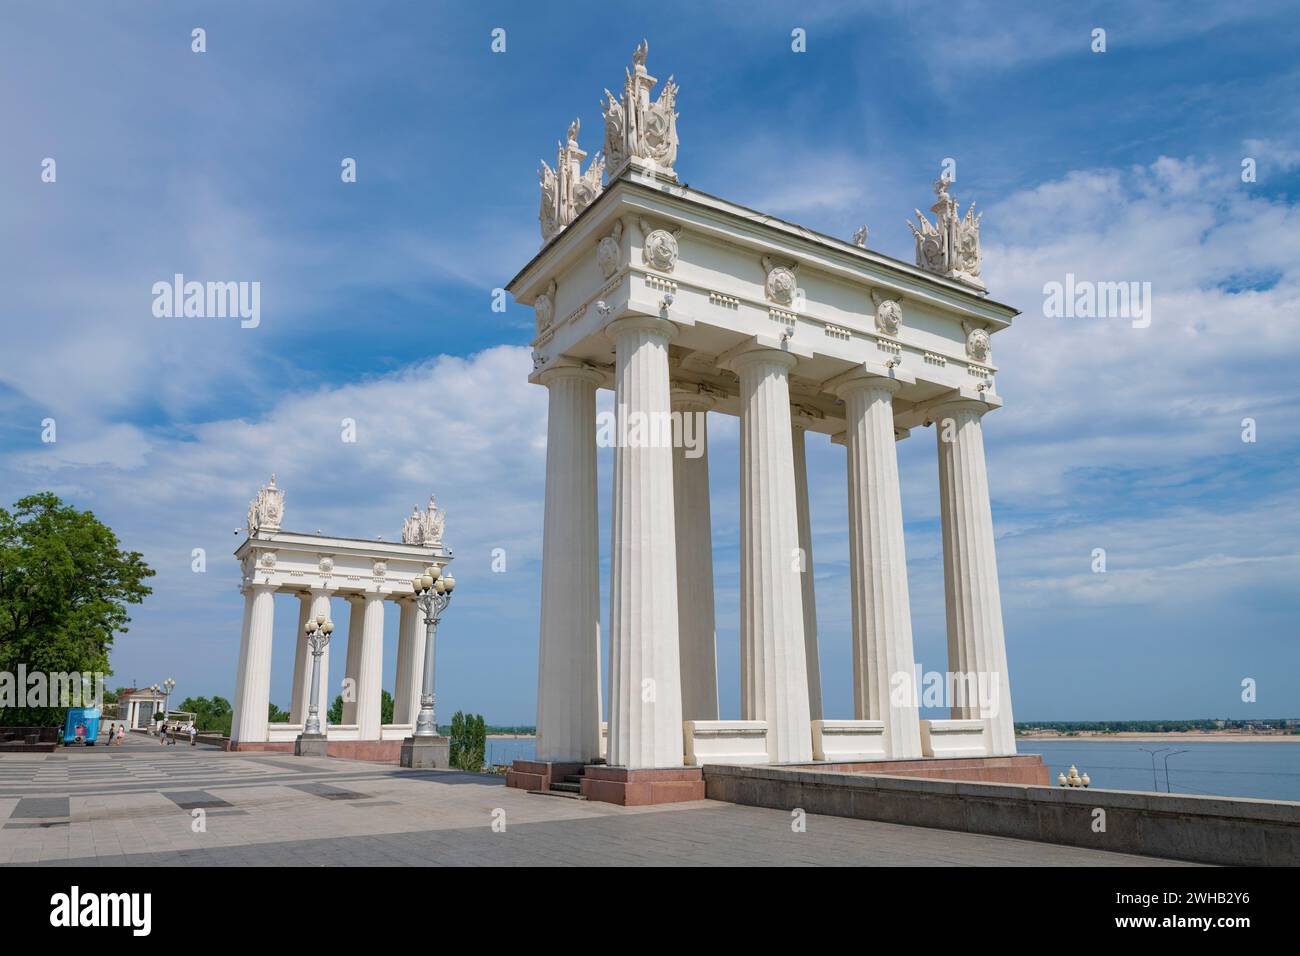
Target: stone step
point(566, 786)
point(563, 794)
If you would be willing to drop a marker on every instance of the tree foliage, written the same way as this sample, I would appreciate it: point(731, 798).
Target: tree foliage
point(468, 741)
point(211, 714)
point(65, 585)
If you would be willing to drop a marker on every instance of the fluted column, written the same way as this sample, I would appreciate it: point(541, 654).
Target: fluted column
point(882, 619)
point(976, 645)
point(645, 719)
point(301, 663)
point(812, 657)
point(320, 604)
point(352, 665)
point(774, 673)
point(370, 667)
point(568, 672)
point(253, 693)
point(410, 662)
point(695, 615)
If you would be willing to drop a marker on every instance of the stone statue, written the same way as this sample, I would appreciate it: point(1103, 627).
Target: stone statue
point(411, 527)
point(860, 237)
point(950, 246)
point(637, 129)
point(566, 189)
point(424, 528)
point(431, 524)
point(267, 509)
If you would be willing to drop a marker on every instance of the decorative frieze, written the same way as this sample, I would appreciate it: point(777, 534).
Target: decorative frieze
point(884, 345)
point(932, 358)
point(787, 319)
point(724, 301)
point(838, 332)
point(660, 284)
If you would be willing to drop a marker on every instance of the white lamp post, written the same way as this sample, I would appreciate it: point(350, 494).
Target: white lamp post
point(318, 638)
point(432, 595)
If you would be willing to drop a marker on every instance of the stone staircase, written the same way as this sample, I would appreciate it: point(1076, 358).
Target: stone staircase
point(570, 786)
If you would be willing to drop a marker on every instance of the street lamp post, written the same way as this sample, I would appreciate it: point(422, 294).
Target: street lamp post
point(1155, 783)
point(312, 742)
point(1167, 756)
point(425, 749)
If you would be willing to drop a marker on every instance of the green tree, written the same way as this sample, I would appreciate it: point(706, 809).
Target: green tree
point(468, 741)
point(210, 714)
point(385, 707)
point(275, 715)
point(64, 589)
point(335, 715)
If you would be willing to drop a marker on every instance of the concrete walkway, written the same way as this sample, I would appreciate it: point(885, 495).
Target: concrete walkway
point(145, 804)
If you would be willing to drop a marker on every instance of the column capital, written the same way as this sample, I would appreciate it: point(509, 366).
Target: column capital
point(973, 406)
point(756, 353)
point(641, 323)
point(865, 377)
point(573, 370)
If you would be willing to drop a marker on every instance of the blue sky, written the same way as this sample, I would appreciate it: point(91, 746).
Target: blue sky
point(1123, 165)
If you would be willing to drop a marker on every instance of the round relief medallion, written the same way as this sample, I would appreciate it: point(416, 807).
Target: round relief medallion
point(889, 317)
point(977, 345)
point(607, 256)
point(660, 250)
point(781, 285)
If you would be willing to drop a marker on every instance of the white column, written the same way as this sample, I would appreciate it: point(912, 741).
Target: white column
point(774, 678)
point(370, 667)
point(568, 672)
point(353, 663)
point(695, 614)
point(813, 659)
point(410, 662)
point(882, 618)
point(301, 663)
point(976, 645)
point(645, 720)
point(253, 693)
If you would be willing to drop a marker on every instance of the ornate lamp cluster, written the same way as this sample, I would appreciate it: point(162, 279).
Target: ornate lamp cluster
point(318, 630)
point(432, 594)
point(1073, 779)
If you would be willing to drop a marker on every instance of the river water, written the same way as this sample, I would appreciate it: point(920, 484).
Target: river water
point(1269, 771)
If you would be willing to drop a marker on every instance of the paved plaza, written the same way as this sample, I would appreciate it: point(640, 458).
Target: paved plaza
point(134, 806)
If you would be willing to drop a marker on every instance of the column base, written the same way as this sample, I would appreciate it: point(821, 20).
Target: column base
point(426, 753)
point(640, 788)
point(311, 745)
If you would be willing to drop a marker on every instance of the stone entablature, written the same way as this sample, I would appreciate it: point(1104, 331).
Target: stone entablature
point(293, 561)
point(849, 307)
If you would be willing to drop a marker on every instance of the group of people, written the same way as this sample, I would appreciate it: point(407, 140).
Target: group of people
point(166, 738)
point(116, 734)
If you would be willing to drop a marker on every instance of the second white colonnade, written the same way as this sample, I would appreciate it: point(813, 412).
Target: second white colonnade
point(326, 574)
